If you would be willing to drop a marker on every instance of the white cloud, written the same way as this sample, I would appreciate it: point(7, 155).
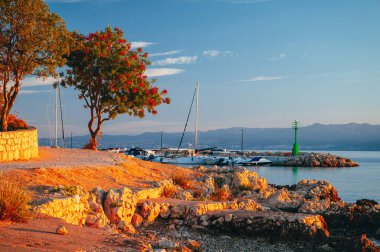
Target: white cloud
point(34, 82)
point(158, 72)
point(165, 53)
point(29, 92)
point(279, 57)
point(176, 61)
point(215, 53)
point(211, 53)
point(141, 44)
point(264, 78)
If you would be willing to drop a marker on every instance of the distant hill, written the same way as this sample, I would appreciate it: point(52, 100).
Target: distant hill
point(351, 136)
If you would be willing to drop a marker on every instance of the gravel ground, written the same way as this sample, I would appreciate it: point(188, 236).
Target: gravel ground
point(211, 241)
point(67, 158)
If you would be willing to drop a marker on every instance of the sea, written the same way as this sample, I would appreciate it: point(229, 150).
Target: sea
point(352, 183)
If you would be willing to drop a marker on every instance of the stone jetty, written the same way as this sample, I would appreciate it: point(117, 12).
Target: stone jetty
point(224, 201)
point(306, 159)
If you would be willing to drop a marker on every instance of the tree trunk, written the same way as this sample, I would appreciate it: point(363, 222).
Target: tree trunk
point(4, 119)
point(9, 99)
point(93, 142)
point(4, 109)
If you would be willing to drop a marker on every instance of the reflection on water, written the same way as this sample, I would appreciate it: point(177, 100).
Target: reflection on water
point(295, 174)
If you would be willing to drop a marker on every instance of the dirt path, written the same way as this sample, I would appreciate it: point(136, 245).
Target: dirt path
point(67, 158)
point(88, 169)
point(38, 234)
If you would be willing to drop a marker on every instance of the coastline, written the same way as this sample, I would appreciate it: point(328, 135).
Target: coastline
point(137, 175)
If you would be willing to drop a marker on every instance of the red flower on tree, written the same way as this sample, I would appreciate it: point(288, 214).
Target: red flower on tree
point(128, 90)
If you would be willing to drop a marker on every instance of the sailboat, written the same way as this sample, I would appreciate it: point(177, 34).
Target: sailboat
point(57, 112)
point(192, 158)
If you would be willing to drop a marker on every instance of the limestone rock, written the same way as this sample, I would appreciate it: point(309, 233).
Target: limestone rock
point(126, 227)
point(165, 243)
point(246, 180)
point(97, 220)
point(164, 211)
point(285, 200)
point(151, 193)
point(61, 230)
point(240, 179)
point(209, 185)
point(150, 211)
point(186, 249)
point(193, 245)
point(120, 204)
point(98, 195)
point(137, 220)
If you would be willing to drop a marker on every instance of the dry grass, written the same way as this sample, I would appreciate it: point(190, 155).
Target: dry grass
point(170, 191)
point(13, 202)
point(183, 181)
point(222, 194)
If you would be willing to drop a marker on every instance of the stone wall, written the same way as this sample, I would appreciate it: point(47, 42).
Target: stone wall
point(72, 209)
point(18, 145)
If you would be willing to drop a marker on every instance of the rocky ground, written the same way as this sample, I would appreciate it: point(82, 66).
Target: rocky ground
point(141, 206)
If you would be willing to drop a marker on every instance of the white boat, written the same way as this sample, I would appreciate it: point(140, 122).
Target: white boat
point(191, 160)
point(255, 161)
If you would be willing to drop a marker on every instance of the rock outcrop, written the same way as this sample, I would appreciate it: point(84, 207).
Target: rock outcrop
point(319, 160)
point(226, 200)
point(120, 205)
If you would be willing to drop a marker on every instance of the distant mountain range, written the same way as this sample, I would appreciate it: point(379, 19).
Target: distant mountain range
point(350, 136)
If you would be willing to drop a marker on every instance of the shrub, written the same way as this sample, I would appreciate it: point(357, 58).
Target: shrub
point(182, 181)
point(198, 194)
point(13, 202)
point(170, 191)
point(222, 194)
point(219, 181)
point(246, 187)
point(15, 123)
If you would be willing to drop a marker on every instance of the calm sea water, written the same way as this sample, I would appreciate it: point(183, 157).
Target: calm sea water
point(352, 183)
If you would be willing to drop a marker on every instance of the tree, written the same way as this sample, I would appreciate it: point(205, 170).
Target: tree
point(110, 78)
point(32, 42)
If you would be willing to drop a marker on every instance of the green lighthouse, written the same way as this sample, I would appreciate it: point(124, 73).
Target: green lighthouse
point(296, 147)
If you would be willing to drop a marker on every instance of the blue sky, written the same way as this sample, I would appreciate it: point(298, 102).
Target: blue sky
point(260, 63)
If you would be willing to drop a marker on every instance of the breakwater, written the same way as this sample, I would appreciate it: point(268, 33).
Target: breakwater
point(306, 159)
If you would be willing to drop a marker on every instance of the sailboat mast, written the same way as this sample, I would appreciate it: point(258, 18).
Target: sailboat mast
point(56, 118)
point(196, 117)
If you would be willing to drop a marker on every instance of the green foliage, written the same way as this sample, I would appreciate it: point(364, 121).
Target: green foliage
point(110, 78)
point(32, 42)
point(245, 187)
point(219, 181)
point(13, 202)
point(68, 190)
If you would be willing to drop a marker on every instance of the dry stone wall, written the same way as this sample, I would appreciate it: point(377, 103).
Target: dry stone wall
point(18, 145)
point(72, 209)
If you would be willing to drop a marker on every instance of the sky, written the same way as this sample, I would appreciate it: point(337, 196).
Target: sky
point(260, 63)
